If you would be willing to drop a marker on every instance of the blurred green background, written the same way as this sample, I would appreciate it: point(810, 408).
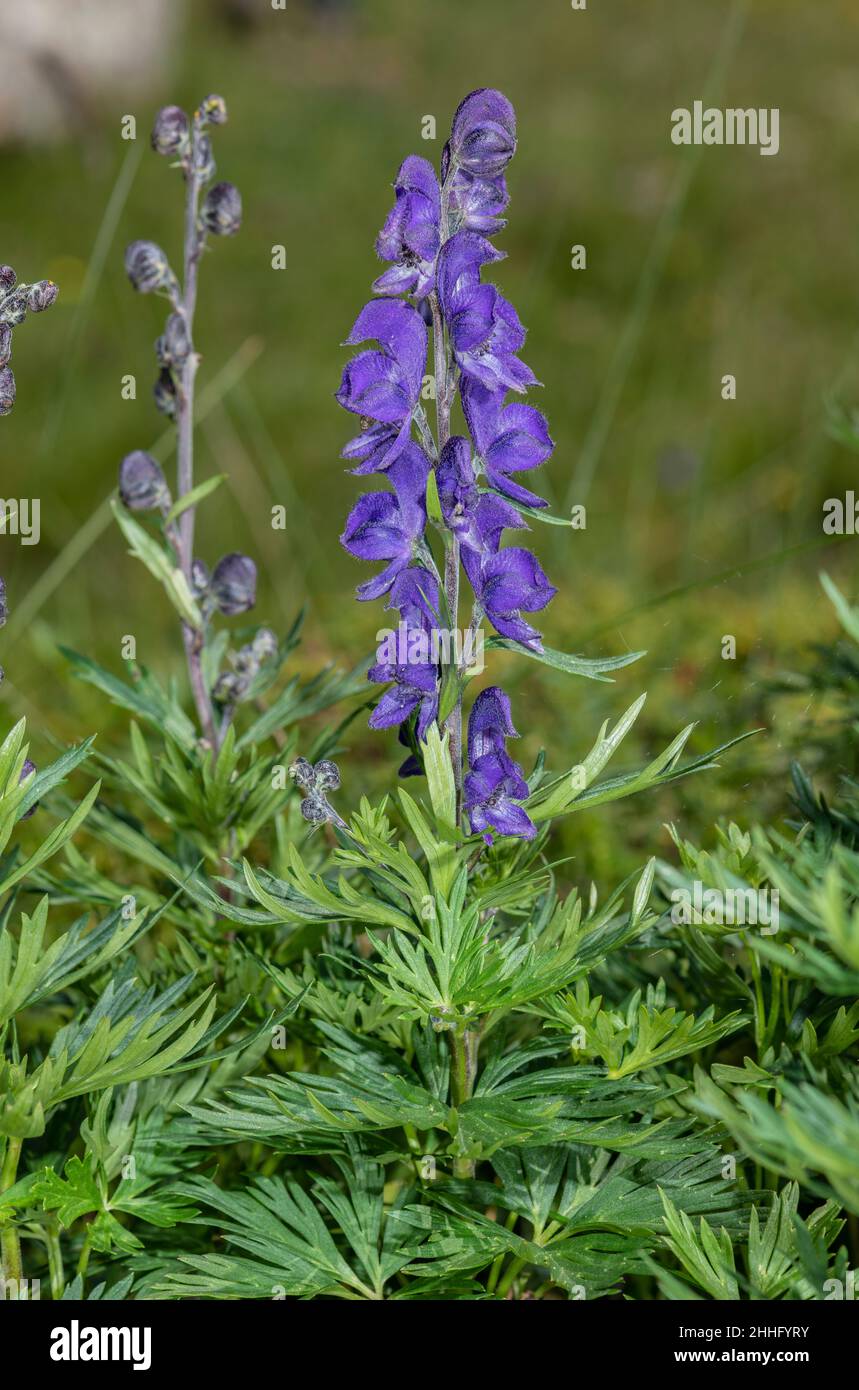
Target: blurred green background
point(703, 516)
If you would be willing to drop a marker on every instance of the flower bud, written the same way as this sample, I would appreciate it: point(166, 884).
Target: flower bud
point(142, 485)
point(25, 772)
point(227, 689)
point(8, 279)
point(204, 160)
point(174, 345)
point(214, 110)
point(7, 390)
point(5, 344)
point(41, 295)
point(221, 213)
point(200, 578)
point(170, 131)
point(147, 267)
point(315, 808)
point(301, 771)
point(234, 584)
point(164, 393)
point(14, 310)
point(264, 644)
point(327, 775)
point(483, 134)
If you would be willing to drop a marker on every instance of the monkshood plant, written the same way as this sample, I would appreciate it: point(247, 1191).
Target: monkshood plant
point(215, 779)
point(479, 1124)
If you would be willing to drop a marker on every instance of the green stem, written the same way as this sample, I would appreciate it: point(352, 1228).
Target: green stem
point(55, 1260)
point(10, 1245)
point(463, 1049)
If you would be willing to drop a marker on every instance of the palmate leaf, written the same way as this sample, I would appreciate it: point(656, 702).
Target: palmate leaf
point(586, 1266)
point(331, 1242)
point(811, 1137)
point(31, 971)
point(576, 1190)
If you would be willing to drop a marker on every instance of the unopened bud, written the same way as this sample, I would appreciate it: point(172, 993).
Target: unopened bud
point(26, 770)
point(164, 393)
point(170, 131)
point(5, 344)
point(221, 213)
point(41, 295)
point(234, 583)
point(8, 278)
point(142, 485)
point(147, 267)
point(7, 390)
point(214, 110)
point(174, 345)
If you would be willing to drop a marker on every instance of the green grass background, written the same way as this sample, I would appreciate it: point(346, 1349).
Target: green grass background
point(704, 517)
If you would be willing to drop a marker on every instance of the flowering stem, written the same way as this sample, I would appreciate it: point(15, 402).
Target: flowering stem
point(441, 360)
point(193, 640)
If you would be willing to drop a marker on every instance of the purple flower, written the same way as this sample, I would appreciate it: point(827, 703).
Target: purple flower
point(508, 438)
point(406, 657)
point(495, 782)
point(476, 518)
point(389, 526)
point(483, 134)
point(383, 386)
point(490, 723)
point(477, 203)
point(484, 327)
point(410, 236)
point(505, 585)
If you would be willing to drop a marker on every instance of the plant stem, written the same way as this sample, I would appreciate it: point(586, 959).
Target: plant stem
point(55, 1260)
point(463, 1049)
point(185, 430)
point(443, 401)
point(10, 1245)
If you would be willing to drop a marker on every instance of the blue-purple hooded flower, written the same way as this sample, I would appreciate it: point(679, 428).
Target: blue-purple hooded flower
point(508, 439)
point(495, 782)
point(485, 330)
point(483, 133)
point(410, 665)
point(410, 236)
point(507, 584)
point(383, 385)
point(389, 525)
point(476, 518)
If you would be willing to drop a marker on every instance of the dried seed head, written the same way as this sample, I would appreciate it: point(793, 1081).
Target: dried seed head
point(170, 131)
point(221, 213)
point(142, 485)
point(8, 278)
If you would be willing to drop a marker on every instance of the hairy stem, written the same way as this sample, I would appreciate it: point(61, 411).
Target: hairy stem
point(185, 430)
point(10, 1245)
